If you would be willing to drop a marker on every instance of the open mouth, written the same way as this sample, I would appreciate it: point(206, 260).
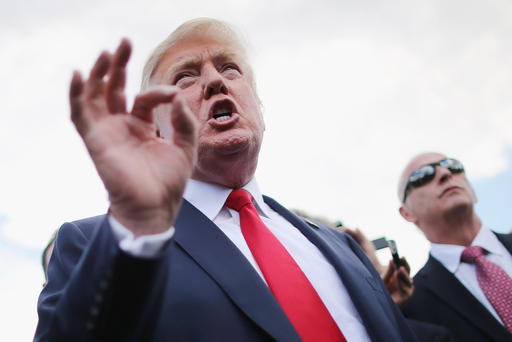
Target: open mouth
point(223, 110)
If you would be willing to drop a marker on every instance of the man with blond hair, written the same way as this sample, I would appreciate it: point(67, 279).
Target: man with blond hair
point(190, 250)
point(466, 283)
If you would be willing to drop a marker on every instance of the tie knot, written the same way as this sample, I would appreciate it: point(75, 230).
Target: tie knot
point(238, 198)
point(471, 254)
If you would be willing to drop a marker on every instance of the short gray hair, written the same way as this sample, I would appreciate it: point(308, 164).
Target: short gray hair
point(200, 27)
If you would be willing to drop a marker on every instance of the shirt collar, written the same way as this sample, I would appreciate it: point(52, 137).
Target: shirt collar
point(488, 241)
point(449, 255)
point(209, 198)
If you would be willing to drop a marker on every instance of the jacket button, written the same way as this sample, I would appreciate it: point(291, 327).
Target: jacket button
point(98, 298)
point(89, 325)
point(103, 284)
point(94, 311)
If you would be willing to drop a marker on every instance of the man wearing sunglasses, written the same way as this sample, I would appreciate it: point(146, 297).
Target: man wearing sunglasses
point(466, 283)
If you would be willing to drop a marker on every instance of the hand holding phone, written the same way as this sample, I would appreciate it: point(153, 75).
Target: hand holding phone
point(394, 253)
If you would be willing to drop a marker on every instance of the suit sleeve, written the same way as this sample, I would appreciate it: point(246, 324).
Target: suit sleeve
point(95, 291)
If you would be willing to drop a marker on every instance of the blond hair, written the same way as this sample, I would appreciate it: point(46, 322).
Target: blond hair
point(203, 28)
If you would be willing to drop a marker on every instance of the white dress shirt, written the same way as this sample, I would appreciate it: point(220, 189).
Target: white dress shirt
point(210, 199)
point(449, 256)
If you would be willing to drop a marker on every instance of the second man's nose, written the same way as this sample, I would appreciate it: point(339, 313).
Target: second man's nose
point(444, 174)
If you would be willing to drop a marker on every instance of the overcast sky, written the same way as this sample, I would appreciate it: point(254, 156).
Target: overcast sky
point(351, 90)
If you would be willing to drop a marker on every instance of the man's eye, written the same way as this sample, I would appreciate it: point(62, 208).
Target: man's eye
point(231, 71)
point(230, 67)
point(181, 76)
point(184, 79)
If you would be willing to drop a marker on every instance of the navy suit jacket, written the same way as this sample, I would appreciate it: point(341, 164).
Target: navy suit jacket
point(441, 299)
point(200, 287)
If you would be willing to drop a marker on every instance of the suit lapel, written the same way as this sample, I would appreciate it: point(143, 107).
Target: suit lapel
point(364, 294)
point(224, 262)
point(444, 284)
point(506, 240)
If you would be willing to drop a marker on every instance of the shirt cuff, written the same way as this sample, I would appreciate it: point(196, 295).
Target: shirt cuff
point(146, 246)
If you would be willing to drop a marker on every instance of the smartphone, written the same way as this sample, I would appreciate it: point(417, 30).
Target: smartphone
point(394, 253)
point(380, 243)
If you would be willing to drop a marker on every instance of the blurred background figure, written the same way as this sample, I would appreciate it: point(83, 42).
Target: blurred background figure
point(46, 255)
point(466, 282)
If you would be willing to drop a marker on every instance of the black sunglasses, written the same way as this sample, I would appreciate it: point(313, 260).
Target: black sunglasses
point(425, 173)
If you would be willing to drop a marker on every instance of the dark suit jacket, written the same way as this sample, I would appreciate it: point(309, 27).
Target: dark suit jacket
point(200, 288)
point(441, 299)
point(427, 332)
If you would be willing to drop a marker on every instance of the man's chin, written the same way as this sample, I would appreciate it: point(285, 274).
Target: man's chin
point(458, 205)
point(229, 145)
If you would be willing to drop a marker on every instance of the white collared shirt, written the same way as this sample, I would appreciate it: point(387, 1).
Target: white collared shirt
point(449, 256)
point(210, 198)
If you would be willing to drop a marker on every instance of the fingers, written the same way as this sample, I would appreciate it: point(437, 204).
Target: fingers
point(114, 90)
point(358, 235)
point(145, 103)
point(94, 87)
point(185, 125)
point(403, 276)
point(87, 99)
point(406, 265)
point(75, 93)
point(388, 274)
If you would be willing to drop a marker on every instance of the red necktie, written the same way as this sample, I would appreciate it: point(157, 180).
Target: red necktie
point(494, 282)
point(290, 286)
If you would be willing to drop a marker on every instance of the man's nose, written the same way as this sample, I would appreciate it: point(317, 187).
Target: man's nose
point(443, 173)
point(214, 83)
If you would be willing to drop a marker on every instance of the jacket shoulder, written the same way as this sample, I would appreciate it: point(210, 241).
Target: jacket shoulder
point(85, 227)
point(89, 222)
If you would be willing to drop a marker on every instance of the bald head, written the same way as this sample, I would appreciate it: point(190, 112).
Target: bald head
point(441, 203)
point(414, 164)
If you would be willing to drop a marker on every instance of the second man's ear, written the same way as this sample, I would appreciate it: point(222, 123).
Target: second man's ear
point(407, 214)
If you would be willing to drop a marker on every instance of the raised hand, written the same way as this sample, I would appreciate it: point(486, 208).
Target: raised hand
point(144, 175)
point(398, 282)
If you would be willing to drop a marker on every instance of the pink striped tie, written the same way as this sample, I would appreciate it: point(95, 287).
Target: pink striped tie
point(494, 282)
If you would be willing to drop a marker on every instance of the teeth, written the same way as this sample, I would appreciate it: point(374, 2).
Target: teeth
point(222, 110)
point(222, 118)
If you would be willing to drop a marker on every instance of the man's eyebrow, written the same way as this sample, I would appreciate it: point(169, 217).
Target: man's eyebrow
point(222, 55)
point(184, 63)
point(219, 56)
point(229, 56)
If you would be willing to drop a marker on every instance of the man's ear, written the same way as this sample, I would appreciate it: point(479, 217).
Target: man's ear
point(407, 214)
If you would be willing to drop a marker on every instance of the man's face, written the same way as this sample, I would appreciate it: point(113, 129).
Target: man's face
point(217, 87)
point(443, 195)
